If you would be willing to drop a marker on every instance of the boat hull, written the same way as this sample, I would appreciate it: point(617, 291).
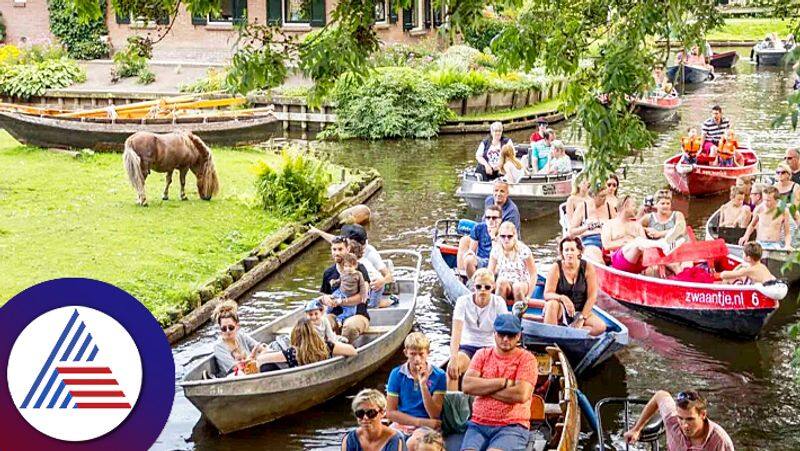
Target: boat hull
point(774, 259)
point(769, 57)
point(691, 74)
point(107, 136)
point(724, 60)
point(656, 112)
point(739, 311)
point(704, 180)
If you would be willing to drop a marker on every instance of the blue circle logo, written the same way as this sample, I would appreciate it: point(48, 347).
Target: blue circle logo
point(87, 367)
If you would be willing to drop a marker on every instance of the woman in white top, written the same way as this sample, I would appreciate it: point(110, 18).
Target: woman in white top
point(473, 325)
point(510, 167)
point(488, 153)
point(559, 162)
point(513, 263)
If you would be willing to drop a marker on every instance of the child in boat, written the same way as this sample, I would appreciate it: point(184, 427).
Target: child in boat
point(735, 213)
point(691, 146)
point(315, 312)
point(349, 283)
point(772, 228)
point(727, 150)
point(244, 365)
point(510, 167)
point(752, 270)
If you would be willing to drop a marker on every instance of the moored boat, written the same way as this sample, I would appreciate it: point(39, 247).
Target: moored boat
point(656, 110)
point(690, 74)
point(740, 311)
point(104, 134)
point(237, 403)
point(535, 195)
point(769, 56)
point(724, 60)
point(775, 259)
point(704, 179)
point(583, 350)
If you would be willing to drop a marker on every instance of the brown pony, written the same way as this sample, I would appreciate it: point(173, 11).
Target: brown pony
point(145, 151)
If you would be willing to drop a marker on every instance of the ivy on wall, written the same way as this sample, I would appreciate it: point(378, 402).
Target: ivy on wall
point(81, 39)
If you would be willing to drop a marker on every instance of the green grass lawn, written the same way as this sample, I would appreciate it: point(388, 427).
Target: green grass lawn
point(549, 105)
point(77, 217)
point(750, 29)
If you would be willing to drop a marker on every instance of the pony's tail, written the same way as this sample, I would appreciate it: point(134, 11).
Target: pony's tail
point(133, 166)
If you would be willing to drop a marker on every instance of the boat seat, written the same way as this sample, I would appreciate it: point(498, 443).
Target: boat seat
point(372, 330)
point(551, 409)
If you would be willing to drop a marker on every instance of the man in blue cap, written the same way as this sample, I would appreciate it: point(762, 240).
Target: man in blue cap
point(502, 378)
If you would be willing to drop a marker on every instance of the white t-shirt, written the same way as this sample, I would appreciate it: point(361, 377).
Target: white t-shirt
point(513, 175)
point(478, 327)
point(372, 256)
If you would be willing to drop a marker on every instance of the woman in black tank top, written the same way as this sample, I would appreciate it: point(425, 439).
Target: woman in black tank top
point(571, 290)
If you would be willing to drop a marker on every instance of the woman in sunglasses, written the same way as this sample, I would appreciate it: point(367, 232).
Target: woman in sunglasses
point(513, 263)
point(232, 341)
point(369, 408)
point(788, 190)
point(612, 188)
point(473, 325)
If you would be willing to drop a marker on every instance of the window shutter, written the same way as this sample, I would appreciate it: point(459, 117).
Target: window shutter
point(239, 11)
point(427, 13)
point(391, 11)
point(318, 13)
point(274, 14)
point(162, 19)
point(123, 19)
point(437, 17)
point(199, 20)
point(408, 19)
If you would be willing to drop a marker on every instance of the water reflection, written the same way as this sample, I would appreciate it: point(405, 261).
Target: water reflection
point(750, 384)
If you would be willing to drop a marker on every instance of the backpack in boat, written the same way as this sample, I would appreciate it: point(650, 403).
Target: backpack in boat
point(456, 411)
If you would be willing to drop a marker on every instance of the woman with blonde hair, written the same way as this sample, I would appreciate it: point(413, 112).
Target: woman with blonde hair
point(510, 167)
point(512, 261)
point(578, 197)
point(233, 346)
point(369, 408)
point(307, 347)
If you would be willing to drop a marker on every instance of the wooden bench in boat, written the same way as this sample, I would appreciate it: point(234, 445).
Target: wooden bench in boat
point(372, 330)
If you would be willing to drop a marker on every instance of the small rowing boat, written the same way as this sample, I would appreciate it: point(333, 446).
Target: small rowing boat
point(584, 350)
point(766, 56)
point(236, 403)
point(656, 110)
point(736, 310)
point(775, 259)
point(724, 60)
point(555, 408)
point(704, 179)
point(689, 75)
point(535, 195)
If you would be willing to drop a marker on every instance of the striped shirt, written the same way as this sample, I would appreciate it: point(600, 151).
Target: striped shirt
point(712, 131)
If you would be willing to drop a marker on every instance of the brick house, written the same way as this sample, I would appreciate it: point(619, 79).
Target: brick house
point(212, 37)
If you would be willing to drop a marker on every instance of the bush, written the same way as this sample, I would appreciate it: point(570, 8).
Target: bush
point(82, 40)
point(34, 78)
point(298, 189)
point(132, 60)
point(460, 57)
point(403, 55)
point(213, 81)
point(9, 54)
point(392, 102)
point(481, 33)
point(145, 76)
point(455, 84)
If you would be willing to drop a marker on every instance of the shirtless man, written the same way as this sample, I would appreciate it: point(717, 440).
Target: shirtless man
point(735, 213)
point(587, 220)
point(752, 270)
point(626, 237)
point(770, 226)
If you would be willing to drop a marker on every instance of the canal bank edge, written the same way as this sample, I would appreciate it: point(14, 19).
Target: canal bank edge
point(274, 251)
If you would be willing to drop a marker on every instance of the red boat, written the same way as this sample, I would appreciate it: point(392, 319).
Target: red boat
point(702, 179)
point(724, 60)
point(736, 310)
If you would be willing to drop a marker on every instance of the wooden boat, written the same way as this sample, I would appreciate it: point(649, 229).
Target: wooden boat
point(769, 56)
point(774, 259)
point(656, 110)
point(555, 414)
point(236, 403)
point(703, 179)
point(535, 195)
point(583, 350)
point(724, 60)
point(691, 74)
point(740, 311)
point(110, 134)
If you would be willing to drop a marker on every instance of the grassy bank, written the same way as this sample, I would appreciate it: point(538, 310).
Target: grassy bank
point(77, 217)
point(750, 29)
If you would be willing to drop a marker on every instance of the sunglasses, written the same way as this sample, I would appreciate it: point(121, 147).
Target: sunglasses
point(492, 218)
point(227, 328)
point(370, 413)
point(506, 237)
point(506, 335)
point(611, 185)
point(684, 396)
point(486, 287)
point(780, 172)
point(789, 158)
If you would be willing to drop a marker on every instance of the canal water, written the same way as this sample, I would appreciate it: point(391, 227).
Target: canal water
point(751, 385)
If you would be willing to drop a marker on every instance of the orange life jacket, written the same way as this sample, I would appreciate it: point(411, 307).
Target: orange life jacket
point(726, 148)
point(691, 146)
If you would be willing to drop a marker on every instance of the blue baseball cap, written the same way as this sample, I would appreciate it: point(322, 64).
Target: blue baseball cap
point(312, 305)
point(507, 324)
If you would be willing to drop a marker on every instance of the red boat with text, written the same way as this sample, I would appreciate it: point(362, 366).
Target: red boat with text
point(703, 178)
point(736, 310)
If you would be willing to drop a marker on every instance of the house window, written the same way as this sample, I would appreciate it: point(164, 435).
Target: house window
point(230, 11)
point(380, 12)
point(297, 11)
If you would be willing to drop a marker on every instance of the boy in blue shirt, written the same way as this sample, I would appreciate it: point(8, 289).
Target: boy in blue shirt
point(415, 391)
